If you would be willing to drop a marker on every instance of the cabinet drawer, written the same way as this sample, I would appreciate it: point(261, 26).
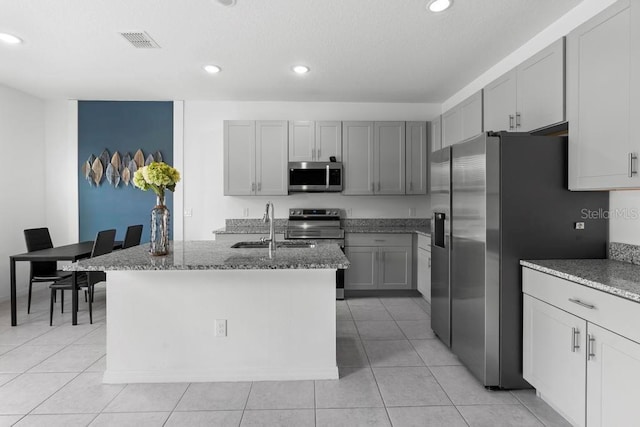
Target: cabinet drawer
point(379, 239)
point(609, 311)
point(424, 242)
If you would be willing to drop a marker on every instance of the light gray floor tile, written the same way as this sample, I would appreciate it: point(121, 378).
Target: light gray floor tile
point(370, 417)
point(278, 417)
point(464, 389)
point(356, 388)
point(363, 312)
point(5, 378)
point(9, 420)
point(499, 416)
point(24, 332)
point(343, 312)
point(350, 353)
point(73, 358)
point(434, 353)
point(392, 353)
point(97, 336)
point(397, 301)
point(6, 348)
point(423, 304)
point(205, 419)
point(540, 408)
point(416, 329)
point(26, 357)
point(64, 335)
point(67, 420)
point(99, 366)
point(281, 395)
point(132, 419)
point(215, 396)
point(147, 398)
point(346, 328)
point(363, 302)
point(408, 312)
point(426, 416)
point(379, 330)
point(409, 387)
point(86, 394)
point(27, 391)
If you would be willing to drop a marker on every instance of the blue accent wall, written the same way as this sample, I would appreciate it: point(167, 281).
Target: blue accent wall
point(121, 126)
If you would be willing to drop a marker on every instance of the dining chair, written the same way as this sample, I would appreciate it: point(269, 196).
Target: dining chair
point(132, 236)
point(41, 271)
point(102, 245)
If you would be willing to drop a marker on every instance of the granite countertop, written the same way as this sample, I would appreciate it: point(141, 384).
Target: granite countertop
point(213, 255)
point(614, 277)
point(424, 230)
point(248, 230)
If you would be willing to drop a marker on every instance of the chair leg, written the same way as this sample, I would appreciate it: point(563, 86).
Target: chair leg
point(29, 301)
point(85, 296)
point(90, 288)
point(61, 300)
point(53, 294)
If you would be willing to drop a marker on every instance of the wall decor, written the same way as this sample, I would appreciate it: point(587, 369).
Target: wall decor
point(116, 169)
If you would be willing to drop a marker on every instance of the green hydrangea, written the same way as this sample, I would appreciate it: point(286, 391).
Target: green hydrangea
point(158, 176)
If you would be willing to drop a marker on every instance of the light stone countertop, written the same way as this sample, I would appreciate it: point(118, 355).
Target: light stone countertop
point(213, 255)
point(614, 277)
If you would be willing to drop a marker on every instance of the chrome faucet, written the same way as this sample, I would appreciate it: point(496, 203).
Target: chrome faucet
point(269, 217)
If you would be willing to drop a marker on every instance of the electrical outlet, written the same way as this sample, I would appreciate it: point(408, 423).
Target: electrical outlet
point(412, 212)
point(221, 327)
point(188, 212)
point(349, 212)
point(245, 212)
point(579, 226)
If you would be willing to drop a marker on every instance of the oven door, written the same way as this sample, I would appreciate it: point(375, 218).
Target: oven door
point(315, 177)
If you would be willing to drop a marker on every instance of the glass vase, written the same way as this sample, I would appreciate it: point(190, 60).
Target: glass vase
point(159, 244)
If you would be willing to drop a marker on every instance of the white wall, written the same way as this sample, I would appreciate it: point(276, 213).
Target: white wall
point(22, 176)
point(203, 161)
point(624, 225)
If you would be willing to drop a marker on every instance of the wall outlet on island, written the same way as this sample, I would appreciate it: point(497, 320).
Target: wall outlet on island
point(221, 327)
point(412, 212)
point(188, 212)
point(349, 212)
point(245, 212)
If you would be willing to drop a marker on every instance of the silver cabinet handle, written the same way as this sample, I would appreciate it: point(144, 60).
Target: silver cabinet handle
point(517, 119)
point(253, 187)
point(378, 185)
point(318, 154)
point(411, 186)
point(379, 240)
point(429, 264)
point(591, 341)
point(259, 186)
point(583, 304)
point(575, 339)
point(632, 157)
point(510, 121)
point(327, 177)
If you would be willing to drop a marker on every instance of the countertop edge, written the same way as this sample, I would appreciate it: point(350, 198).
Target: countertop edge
point(630, 296)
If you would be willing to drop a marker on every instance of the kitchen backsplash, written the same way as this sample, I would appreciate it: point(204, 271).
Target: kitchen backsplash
point(346, 223)
point(624, 252)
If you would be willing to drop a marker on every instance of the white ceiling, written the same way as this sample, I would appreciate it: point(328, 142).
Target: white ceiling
point(358, 50)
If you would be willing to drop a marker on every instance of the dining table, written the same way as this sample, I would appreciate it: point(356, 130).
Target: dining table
point(72, 252)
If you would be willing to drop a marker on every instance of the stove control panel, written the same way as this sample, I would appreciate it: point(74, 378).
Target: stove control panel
point(314, 213)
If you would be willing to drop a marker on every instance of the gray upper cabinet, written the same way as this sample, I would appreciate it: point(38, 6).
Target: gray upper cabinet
point(417, 158)
point(462, 121)
point(436, 133)
point(389, 157)
point(603, 99)
point(500, 103)
point(328, 141)
point(239, 158)
point(311, 141)
point(358, 157)
point(255, 158)
point(530, 96)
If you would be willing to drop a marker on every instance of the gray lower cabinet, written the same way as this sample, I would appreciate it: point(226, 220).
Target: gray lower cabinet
point(255, 158)
point(530, 96)
point(603, 99)
point(423, 267)
point(378, 261)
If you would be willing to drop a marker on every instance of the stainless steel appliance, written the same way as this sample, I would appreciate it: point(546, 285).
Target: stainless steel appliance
point(509, 201)
point(321, 226)
point(315, 177)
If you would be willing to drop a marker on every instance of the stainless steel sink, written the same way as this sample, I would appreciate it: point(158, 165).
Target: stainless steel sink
point(261, 245)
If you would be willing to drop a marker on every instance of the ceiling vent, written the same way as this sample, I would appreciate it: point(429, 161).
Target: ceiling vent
point(140, 40)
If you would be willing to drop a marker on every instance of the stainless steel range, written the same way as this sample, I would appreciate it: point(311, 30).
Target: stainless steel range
point(321, 226)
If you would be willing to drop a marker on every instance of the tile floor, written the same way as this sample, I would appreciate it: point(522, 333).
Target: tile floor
point(393, 371)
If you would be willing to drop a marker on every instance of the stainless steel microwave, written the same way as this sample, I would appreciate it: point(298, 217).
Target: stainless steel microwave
point(315, 177)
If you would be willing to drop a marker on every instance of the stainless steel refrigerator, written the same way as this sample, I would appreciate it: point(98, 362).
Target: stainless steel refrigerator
point(496, 199)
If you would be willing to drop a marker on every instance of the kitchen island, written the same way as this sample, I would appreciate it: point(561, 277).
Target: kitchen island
point(209, 312)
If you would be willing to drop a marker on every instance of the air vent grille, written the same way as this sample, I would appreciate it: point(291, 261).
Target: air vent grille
point(140, 40)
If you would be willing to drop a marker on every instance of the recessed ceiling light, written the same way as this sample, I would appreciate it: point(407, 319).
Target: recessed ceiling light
point(9, 38)
point(212, 69)
point(301, 69)
point(227, 2)
point(439, 5)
